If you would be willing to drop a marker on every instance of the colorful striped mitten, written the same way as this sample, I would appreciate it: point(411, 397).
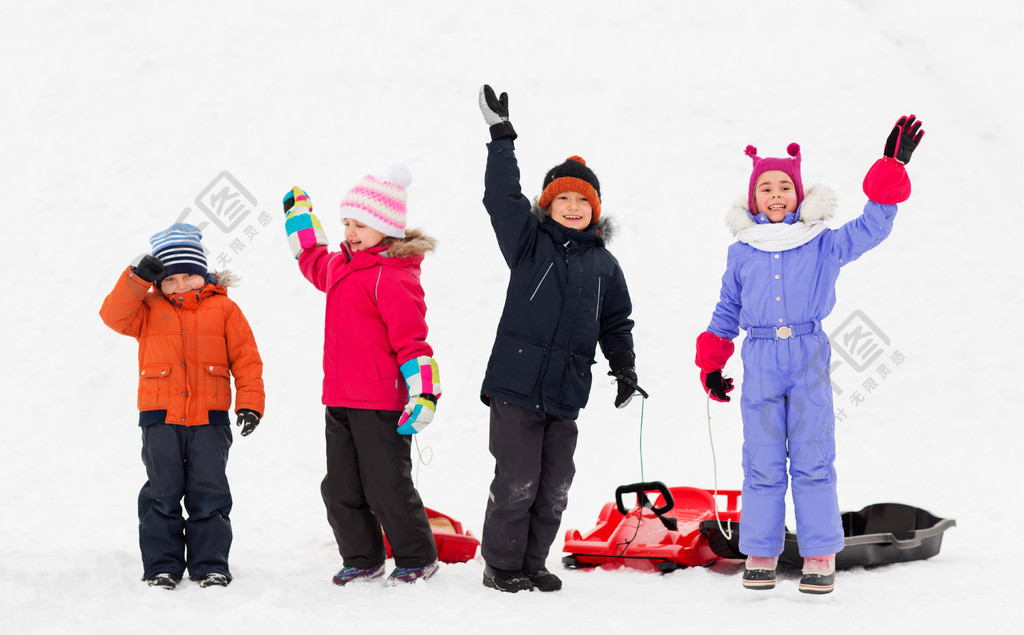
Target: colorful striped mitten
point(424, 382)
point(304, 230)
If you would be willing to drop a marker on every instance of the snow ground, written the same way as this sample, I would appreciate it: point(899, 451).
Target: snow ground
point(118, 115)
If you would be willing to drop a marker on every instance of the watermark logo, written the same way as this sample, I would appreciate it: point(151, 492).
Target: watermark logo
point(859, 341)
point(862, 360)
point(868, 351)
point(226, 202)
point(232, 209)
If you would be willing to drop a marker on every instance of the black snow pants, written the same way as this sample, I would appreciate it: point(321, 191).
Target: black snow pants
point(532, 473)
point(369, 485)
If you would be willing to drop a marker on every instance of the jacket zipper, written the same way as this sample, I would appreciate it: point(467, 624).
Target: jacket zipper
point(182, 316)
point(541, 281)
point(597, 312)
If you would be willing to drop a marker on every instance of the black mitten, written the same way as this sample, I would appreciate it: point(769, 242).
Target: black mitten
point(248, 419)
point(716, 385)
point(150, 269)
point(495, 110)
point(903, 139)
point(622, 369)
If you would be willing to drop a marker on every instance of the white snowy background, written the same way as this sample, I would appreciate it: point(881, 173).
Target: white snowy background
point(115, 116)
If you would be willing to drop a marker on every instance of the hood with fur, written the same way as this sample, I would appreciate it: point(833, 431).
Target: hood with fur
point(819, 204)
point(415, 242)
point(224, 278)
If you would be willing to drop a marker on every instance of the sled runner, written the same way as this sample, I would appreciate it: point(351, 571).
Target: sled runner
point(453, 543)
point(662, 536)
point(879, 534)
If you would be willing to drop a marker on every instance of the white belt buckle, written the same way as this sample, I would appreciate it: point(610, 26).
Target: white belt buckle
point(783, 332)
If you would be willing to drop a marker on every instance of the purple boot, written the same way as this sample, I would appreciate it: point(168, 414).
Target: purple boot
point(355, 574)
point(404, 575)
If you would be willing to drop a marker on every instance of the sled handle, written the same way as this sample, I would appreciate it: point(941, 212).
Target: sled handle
point(641, 497)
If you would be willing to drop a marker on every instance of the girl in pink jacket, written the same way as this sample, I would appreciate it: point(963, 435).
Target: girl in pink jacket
point(380, 380)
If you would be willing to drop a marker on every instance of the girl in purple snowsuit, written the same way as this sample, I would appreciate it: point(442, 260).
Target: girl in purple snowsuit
point(779, 284)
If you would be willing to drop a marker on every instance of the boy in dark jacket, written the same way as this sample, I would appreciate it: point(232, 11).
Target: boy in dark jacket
point(566, 294)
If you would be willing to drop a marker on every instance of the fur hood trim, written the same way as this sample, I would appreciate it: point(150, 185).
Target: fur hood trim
point(225, 278)
point(819, 204)
point(607, 227)
point(415, 242)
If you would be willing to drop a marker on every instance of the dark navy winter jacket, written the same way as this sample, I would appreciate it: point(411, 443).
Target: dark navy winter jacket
point(566, 293)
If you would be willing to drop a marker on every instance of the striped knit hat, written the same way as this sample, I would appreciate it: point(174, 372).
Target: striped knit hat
point(379, 202)
point(179, 248)
point(572, 176)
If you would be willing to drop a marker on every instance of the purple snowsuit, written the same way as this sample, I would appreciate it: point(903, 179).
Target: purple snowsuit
point(786, 399)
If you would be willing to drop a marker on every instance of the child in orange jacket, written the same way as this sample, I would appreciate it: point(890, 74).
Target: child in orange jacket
point(192, 339)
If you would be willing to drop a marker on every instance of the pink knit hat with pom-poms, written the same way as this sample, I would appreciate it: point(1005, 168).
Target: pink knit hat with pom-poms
point(379, 202)
point(790, 166)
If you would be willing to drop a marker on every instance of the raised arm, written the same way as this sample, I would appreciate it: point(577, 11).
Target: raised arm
point(885, 185)
point(513, 223)
point(124, 309)
point(306, 237)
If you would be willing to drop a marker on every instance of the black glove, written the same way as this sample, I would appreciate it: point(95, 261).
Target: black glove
point(622, 369)
point(903, 139)
point(150, 269)
point(248, 419)
point(717, 386)
point(495, 110)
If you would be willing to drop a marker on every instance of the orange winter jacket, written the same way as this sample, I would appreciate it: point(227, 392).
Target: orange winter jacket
point(189, 346)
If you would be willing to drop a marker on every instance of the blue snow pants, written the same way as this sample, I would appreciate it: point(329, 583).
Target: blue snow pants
point(787, 413)
point(187, 462)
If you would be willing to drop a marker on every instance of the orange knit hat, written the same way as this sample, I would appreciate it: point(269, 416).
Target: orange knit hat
point(572, 176)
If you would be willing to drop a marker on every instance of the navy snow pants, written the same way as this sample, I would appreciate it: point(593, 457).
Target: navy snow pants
point(187, 462)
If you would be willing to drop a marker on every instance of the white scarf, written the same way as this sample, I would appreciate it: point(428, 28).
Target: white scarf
point(779, 236)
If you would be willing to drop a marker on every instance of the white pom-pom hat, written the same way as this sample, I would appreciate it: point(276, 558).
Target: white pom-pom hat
point(379, 202)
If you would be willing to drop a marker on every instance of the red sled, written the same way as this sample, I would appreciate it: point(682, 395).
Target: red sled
point(453, 543)
point(661, 537)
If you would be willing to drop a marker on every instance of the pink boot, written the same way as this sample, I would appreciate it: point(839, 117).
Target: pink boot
point(819, 574)
point(760, 573)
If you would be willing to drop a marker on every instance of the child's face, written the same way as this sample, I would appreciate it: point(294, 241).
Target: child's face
point(572, 210)
point(775, 195)
point(182, 282)
point(360, 236)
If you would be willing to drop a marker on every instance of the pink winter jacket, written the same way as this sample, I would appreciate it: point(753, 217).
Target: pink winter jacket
point(375, 321)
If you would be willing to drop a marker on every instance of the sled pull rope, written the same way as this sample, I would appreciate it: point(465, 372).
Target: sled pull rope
point(714, 464)
point(642, 402)
point(625, 544)
point(427, 452)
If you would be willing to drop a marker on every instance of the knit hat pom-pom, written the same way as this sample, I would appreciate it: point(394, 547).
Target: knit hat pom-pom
point(400, 174)
point(793, 149)
point(751, 151)
point(577, 159)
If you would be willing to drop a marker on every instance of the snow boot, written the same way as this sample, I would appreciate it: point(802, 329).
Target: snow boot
point(509, 581)
point(355, 574)
point(819, 575)
point(213, 579)
point(760, 573)
point(543, 580)
point(409, 575)
point(164, 581)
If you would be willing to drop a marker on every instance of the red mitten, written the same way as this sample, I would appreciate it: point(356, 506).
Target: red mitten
point(712, 354)
point(887, 182)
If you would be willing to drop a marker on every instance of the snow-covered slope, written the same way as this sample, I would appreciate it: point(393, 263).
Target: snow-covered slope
point(117, 116)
